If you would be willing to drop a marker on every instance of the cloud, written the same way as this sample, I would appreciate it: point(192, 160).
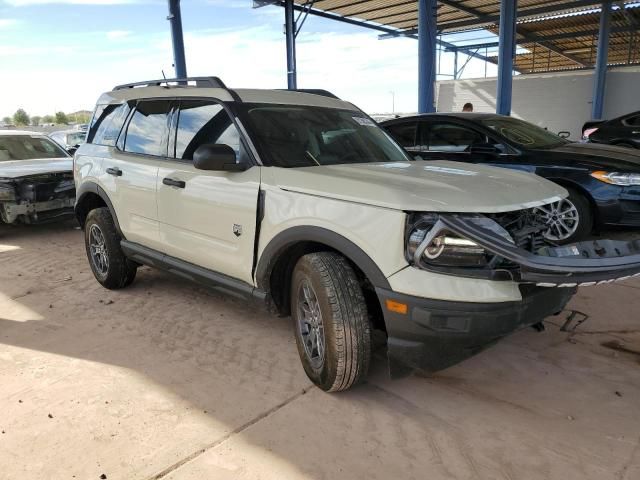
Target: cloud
point(8, 22)
point(118, 34)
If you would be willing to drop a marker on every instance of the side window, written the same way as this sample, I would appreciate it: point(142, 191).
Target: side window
point(404, 133)
point(106, 124)
point(147, 130)
point(447, 137)
point(200, 123)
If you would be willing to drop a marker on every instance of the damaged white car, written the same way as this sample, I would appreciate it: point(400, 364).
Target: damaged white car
point(36, 179)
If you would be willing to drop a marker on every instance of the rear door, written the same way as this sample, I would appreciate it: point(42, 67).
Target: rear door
point(130, 172)
point(207, 218)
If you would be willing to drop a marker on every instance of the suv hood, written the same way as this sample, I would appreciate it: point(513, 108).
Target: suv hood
point(427, 186)
point(25, 168)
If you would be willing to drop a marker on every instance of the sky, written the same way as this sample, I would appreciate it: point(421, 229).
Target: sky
point(60, 55)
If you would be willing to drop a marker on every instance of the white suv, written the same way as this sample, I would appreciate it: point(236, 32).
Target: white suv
point(301, 201)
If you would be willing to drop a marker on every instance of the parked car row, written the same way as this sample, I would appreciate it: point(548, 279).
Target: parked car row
point(302, 202)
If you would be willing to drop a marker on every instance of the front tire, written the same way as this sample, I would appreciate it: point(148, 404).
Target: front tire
point(330, 320)
point(108, 263)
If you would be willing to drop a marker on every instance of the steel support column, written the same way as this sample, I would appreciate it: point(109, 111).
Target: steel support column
point(506, 54)
point(290, 33)
point(427, 29)
point(600, 73)
point(175, 19)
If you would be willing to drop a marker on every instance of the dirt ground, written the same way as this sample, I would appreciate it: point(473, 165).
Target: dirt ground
point(168, 380)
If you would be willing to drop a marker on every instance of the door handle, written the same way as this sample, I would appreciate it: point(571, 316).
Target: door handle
point(173, 182)
point(116, 172)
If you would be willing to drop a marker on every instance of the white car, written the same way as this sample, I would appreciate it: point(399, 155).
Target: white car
point(36, 179)
point(302, 202)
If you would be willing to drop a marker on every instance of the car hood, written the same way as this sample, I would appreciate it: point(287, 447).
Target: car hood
point(600, 156)
point(25, 168)
point(439, 186)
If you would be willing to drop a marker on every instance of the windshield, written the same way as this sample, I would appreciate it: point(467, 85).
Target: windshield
point(523, 133)
point(303, 136)
point(28, 147)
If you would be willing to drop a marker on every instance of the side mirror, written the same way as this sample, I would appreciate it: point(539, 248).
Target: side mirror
point(72, 150)
point(217, 157)
point(564, 134)
point(484, 149)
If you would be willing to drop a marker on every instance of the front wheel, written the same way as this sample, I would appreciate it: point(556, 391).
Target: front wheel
point(330, 320)
point(569, 219)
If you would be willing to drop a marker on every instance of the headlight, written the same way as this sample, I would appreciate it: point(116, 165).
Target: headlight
point(428, 243)
point(616, 178)
point(7, 193)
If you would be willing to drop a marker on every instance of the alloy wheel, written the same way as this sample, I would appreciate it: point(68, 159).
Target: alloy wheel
point(98, 250)
point(562, 217)
point(310, 326)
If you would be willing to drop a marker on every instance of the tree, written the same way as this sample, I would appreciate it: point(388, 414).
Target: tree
point(21, 117)
point(35, 120)
point(61, 117)
point(6, 120)
point(48, 119)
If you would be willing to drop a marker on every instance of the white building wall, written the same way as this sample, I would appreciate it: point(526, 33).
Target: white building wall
point(558, 101)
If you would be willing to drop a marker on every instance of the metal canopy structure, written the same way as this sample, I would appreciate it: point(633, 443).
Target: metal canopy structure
point(533, 35)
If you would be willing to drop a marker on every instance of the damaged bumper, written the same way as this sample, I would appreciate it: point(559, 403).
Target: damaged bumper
point(584, 263)
point(37, 199)
point(435, 334)
point(431, 334)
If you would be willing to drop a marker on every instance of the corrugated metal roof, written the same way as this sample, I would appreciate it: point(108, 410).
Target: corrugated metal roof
point(558, 34)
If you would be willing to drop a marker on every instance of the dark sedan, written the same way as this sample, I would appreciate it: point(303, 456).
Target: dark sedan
point(603, 181)
point(622, 131)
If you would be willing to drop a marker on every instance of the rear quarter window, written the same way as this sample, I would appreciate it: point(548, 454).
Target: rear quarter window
point(106, 124)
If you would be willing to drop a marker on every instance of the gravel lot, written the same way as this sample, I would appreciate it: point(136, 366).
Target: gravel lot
point(169, 380)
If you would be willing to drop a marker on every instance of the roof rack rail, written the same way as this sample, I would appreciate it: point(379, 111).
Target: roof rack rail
point(202, 82)
point(314, 91)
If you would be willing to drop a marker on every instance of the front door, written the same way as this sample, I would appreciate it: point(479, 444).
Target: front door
point(207, 218)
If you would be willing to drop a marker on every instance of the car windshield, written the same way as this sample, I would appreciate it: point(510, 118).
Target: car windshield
point(522, 133)
point(28, 147)
point(303, 136)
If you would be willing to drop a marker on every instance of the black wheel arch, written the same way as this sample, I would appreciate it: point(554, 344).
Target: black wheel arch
point(90, 196)
point(275, 265)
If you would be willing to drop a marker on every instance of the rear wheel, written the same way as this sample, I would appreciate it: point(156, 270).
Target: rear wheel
point(330, 320)
point(569, 219)
point(108, 263)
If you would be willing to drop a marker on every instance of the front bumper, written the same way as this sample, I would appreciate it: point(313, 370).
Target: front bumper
point(435, 334)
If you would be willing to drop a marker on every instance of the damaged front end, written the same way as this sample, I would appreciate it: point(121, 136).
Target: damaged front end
point(430, 335)
point(37, 198)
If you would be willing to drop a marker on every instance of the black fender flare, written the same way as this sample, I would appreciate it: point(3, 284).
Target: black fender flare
point(287, 238)
point(92, 187)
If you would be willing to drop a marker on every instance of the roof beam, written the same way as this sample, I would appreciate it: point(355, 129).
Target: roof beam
point(380, 28)
point(520, 32)
point(483, 19)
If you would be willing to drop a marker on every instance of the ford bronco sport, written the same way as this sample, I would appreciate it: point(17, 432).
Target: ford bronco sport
point(301, 201)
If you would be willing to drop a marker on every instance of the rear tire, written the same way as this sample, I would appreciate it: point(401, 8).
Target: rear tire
point(330, 320)
point(108, 263)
